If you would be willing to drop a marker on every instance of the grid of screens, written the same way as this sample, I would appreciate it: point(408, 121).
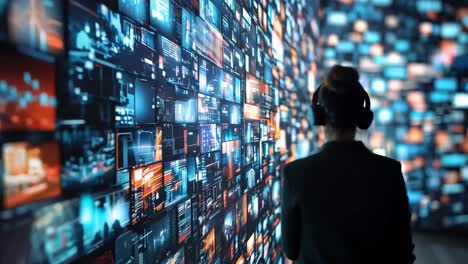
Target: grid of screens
point(413, 63)
point(150, 131)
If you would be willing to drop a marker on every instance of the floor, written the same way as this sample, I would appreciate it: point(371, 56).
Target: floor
point(438, 249)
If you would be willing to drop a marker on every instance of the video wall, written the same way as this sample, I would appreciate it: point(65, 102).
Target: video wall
point(150, 131)
point(413, 60)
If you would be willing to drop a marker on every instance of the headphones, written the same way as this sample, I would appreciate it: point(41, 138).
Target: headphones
point(365, 116)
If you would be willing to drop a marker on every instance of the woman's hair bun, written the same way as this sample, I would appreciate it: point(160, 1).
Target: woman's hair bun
point(339, 76)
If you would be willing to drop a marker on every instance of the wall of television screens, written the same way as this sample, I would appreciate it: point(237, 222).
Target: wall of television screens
point(412, 56)
point(150, 131)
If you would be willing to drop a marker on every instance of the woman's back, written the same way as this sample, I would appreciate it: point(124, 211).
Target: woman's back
point(346, 205)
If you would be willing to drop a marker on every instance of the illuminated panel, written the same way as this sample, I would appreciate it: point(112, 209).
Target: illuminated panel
point(37, 24)
point(147, 191)
point(136, 9)
point(210, 136)
point(231, 159)
point(209, 42)
point(251, 112)
point(103, 216)
point(185, 106)
point(88, 157)
point(31, 172)
point(175, 181)
point(208, 109)
point(184, 217)
point(27, 89)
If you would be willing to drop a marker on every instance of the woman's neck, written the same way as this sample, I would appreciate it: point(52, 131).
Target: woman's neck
point(332, 134)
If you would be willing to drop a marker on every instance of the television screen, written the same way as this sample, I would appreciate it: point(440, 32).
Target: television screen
point(51, 226)
point(189, 70)
point(135, 9)
point(231, 113)
point(175, 181)
point(136, 146)
point(147, 196)
point(184, 218)
point(251, 154)
point(27, 88)
point(156, 241)
point(188, 29)
point(209, 165)
point(210, 78)
point(211, 13)
point(208, 109)
point(165, 105)
point(231, 132)
point(88, 157)
point(101, 38)
point(185, 106)
point(103, 216)
point(210, 135)
point(231, 87)
point(170, 60)
point(180, 140)
point(231, 159)
point(257, 92)
point(31, 172)
point(145, 109)
point(166, 18)
point(208, 42)
point(37, 24)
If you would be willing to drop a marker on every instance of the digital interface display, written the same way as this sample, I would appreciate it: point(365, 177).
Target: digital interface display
point(31, 172)
point(27, 89)
point(170, 61)
point(88, 157)
point(154, 131)
point(166, 18)
point(210, 138)
point(147, 191)
point(134, 147)
point(231, 159)
point(210, 79)
point(208, 109)
point(135, 9)
point(37, 24)
point(103, 216)
point(180, 140)
point(175, 181)
point(185, 106)
point(231, 113)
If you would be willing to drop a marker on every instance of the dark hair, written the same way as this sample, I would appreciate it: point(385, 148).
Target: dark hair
point(341, 98)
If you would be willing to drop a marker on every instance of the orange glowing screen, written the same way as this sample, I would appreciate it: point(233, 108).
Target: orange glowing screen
point(31, 172)
point(209, 245)
point(30, 101)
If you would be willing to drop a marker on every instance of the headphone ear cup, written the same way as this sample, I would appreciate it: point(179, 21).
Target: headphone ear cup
point(365, 119)
point(319, 115)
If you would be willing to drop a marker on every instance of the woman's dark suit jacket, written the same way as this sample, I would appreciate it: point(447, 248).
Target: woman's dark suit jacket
point(345, 205)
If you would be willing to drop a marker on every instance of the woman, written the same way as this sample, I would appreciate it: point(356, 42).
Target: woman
point(345, 204)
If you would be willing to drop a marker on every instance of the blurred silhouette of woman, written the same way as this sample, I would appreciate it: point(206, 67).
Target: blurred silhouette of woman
point(345, 204)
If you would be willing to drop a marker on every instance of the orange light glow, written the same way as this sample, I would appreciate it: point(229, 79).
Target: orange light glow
point(360, 26)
